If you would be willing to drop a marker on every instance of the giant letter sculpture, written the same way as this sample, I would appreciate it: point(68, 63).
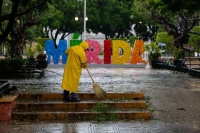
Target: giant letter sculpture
point(94, 50)
point(117, 59)
point(50, 50)
point(107, 51)
point(138, 50)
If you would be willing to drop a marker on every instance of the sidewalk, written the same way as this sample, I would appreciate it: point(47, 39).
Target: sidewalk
point(174, 100)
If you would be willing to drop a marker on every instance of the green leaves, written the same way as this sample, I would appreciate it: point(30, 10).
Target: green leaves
point(100, 107)
point(177, 17)
point(153, 50)
point(103, 116)
point(178, 53)
point(11, 65)
point(195, 38)
point(163, 37)
point(112, 17)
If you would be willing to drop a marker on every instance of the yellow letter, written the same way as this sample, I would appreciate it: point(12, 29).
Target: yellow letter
point(116, 58)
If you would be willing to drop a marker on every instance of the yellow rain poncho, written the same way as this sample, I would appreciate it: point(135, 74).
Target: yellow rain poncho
point(73, 67)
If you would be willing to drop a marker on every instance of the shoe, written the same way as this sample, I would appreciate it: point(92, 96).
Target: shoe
point(67, 99)
point(75, 100)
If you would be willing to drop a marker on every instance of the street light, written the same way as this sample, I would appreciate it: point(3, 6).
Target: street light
point(84, 24)
point(76, 18)
point(84, 20)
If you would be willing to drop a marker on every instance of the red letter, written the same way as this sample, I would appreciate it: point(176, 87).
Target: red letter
point(107, 51)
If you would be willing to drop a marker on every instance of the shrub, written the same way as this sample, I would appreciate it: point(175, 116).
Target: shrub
point(11, 64)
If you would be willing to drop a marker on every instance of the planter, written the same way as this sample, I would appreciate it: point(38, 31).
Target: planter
point(153, 64)
point(32, 59)
point(177, 62)
point(7, 104)
point(41, 64)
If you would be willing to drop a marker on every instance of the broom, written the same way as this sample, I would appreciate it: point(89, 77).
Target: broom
point(99, 92)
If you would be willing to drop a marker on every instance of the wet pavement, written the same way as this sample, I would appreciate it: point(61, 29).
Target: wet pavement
point(173, 99)
point(105, 127)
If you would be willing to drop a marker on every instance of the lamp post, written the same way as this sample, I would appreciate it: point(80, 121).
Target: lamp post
point(84, 24)
point(85, 18)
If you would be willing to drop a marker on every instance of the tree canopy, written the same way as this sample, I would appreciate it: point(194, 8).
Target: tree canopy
point(145, 27)
point(163, 37)
point(12, 9)
point(113, 18)
point(110, 17)
point(177, 17)
point(195, 39)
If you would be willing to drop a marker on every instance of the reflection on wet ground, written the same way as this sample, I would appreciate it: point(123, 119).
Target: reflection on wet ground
point(110, 79)
point(104, 127)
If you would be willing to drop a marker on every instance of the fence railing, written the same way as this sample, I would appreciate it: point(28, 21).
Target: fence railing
point(192, 62)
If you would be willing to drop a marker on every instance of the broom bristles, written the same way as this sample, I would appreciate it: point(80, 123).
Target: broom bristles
point(99, 92)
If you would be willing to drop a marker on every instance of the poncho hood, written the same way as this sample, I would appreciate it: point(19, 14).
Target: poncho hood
point(84, 45)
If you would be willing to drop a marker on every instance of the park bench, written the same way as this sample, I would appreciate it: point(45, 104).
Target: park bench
point(180, 66)
point(163, 64)
point(168, 64)
point(194, 73)
point(193, 62)
point(4, 86)
point(30, 69)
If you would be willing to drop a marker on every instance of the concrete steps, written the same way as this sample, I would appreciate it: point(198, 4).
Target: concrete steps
point(51, 107)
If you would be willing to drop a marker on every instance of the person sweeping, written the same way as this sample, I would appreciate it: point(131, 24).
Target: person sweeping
point(72, 72)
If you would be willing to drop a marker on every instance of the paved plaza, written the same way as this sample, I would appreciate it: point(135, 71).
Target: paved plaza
point(173, 99)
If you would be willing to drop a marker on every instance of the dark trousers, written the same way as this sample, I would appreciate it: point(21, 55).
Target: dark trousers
point(66, 94)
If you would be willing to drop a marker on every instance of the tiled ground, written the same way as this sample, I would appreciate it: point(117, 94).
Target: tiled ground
point(174, 100)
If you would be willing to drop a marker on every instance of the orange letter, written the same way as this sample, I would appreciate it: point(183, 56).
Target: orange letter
point(138, 50)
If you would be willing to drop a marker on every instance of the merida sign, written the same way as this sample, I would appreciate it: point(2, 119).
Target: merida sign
point(134, 56)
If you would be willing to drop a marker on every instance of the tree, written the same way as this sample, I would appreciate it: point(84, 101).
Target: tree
point(163, 37)
point(61, 19)
point(141, 31)
point(145, 27)
point(19, 29)
point(195, 39)
point(112, 17)
point(132, 40)
point(177, 17)
point(15, 10)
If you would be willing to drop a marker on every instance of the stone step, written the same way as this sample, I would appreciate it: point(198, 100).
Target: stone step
point(51, 107)
point(59, 105)
point(85, 96)
point(61, 115)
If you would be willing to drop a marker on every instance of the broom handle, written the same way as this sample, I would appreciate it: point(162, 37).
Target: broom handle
point(90, 75)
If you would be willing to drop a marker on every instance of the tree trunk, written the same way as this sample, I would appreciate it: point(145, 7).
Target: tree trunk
point(19, 36)
point(54, 38)
point(18, 42)
point(15, 13)
point(5, 33)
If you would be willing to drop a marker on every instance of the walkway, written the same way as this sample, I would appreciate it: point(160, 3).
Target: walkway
point(174, 100)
